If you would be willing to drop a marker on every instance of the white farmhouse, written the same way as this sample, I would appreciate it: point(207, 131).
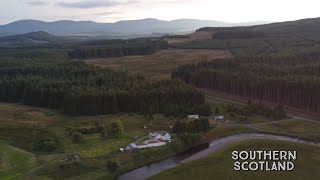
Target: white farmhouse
point(219, 118)
point(155, 139)
point(195, 116)
point(162, 135)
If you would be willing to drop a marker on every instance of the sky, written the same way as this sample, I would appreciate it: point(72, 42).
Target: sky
point(115, 10)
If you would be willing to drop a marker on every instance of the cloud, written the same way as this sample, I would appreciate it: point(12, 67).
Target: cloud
point(95, 4)
point(107, 13)
point(37, 3)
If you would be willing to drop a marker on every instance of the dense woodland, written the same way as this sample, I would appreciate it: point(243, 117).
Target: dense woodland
point(118, 48)
point(290, 81)
point(217, 29)
point(80, 89)
point(237, 35)
point(275, 39)
point(250, 109)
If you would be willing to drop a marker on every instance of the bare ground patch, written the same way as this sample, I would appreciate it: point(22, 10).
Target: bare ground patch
point(159, 65)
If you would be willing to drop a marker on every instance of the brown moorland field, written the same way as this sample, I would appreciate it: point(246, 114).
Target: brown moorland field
point(202, 35)
point(158, 66)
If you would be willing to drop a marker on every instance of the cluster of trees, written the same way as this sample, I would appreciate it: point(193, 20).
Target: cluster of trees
point(217, 29)
point(194, 126)
point(76, 134)
point(114, 129)
point(290, 81)
point(143, 47)
point(177, 36)
point(76, 88)
point(182, 111)
point(233, 32)
point(277, 112)
point(45, 145)
point(189, 139)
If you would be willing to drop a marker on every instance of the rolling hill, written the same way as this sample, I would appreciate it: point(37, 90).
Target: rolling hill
point(30, 39)
point(284, 38)
point(143, 26)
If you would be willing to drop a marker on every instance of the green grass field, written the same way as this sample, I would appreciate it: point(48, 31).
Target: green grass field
point(219, 165)
point(14, 162)
point(294, 126)
point(305, 129)
point(22, 126)
point(17, 120)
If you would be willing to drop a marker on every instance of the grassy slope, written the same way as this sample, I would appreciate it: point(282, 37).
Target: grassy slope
point(18, 120)
point(304, 128)
point(20, 126)
point(14, 162)
point(160, 64)
point(220, 165)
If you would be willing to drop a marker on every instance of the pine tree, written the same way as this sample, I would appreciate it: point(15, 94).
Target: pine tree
point(217, 111)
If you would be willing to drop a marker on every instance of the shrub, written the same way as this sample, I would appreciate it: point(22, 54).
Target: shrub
point(116, 129)
point(45, 145)
point(217, 111)
point(77, 137)
point(243, 118)
point(112, 166)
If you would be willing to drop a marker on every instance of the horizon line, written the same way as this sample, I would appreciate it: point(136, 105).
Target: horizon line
point(263, 21)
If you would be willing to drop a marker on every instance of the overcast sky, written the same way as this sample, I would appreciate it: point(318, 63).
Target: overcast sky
point(115, 10)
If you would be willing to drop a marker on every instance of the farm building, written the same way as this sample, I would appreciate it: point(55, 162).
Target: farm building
point(157, 138)
point(162, 135)
point(218, 118)
point(146, 144)
point(195, 116)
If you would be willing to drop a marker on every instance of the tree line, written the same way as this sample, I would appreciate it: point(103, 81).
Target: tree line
point(242, 34)
point(76, 88)
point(193, 126)
point(278, 112)
point(120, 48)
point(291, 81)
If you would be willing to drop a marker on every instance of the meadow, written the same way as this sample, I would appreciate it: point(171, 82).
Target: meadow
point(159, 65)
point(23, 126)
point(34, 124)
point(14, 162)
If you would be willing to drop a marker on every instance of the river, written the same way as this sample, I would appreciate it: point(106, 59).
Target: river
point(199, 152)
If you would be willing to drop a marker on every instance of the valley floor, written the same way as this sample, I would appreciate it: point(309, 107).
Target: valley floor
point(34, 124)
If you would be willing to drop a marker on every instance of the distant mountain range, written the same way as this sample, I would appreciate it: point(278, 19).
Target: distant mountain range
point(129, 27)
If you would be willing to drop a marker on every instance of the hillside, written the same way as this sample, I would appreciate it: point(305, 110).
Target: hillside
point(270, 39)
point(143, 26)
point(303, 27)
point(30, 39)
